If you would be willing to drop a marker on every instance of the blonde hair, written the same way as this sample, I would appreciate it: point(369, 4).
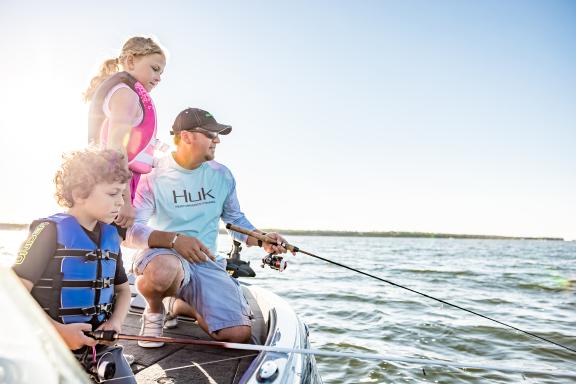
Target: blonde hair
point(135, 46)
point(82, 170)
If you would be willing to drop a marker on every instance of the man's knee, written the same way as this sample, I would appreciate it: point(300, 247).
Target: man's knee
point(239, 334)
point(160, 274)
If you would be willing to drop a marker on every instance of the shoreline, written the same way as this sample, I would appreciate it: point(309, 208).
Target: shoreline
point(405, 234)
point(391, 234)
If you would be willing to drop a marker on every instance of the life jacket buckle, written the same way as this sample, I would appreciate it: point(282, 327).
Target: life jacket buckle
point(103, 308)
point(97, 309)
point(91, 256)
point(90, 311)
point(102, 283)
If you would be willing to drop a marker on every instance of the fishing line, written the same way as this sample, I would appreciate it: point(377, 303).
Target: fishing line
point(113, 336)
point(293, 248)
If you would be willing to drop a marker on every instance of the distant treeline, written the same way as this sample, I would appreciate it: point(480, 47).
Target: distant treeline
point(428, 235)
point(300, 232)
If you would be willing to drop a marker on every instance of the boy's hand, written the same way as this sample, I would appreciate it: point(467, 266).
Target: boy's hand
point(192, 249)
point(109, 325)
point(73, 335)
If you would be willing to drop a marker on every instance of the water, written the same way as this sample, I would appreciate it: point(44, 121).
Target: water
point(528, 284)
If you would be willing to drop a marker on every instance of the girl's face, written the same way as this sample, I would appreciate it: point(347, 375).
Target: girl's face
point(146, 69)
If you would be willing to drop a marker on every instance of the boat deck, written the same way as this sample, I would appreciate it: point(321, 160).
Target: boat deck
point(176, 363)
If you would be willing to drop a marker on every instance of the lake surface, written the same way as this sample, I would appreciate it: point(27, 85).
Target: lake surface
point(528, 284)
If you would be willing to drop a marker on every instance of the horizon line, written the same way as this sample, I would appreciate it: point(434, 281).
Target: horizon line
point(350, 233)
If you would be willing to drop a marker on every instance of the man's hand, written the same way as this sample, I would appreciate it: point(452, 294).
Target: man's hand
point(126, 216)
point(73, 334)
point(192, 249)
point(275, 248)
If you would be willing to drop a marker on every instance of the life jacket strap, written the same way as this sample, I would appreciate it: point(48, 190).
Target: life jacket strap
point(88, 311)
point(105, 282)
point(57, 286)
point(90, 255)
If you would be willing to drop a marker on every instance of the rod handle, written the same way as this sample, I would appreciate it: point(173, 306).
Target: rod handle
point(109, 335)
point(261, 237)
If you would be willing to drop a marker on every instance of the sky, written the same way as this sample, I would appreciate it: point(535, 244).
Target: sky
point(433, 116)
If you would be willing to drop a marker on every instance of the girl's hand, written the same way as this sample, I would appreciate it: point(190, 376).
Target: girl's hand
point(126, 216)
point(73, 334)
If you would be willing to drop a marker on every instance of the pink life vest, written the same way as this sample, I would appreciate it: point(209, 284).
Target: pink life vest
point(142, 141)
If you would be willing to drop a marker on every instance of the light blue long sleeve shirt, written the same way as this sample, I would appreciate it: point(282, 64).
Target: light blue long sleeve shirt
point(191, 202)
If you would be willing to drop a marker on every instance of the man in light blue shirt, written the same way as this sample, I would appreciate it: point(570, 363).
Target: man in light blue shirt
point(179, 206)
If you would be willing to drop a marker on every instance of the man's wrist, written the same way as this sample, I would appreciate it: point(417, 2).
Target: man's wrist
point(173, 241)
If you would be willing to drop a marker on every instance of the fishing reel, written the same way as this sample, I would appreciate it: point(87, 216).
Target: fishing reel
point(105, 370)
point(276, 262)
point(102, 365)
point(100, 370)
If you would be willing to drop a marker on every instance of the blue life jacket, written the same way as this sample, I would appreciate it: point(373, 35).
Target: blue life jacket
point(83, 290)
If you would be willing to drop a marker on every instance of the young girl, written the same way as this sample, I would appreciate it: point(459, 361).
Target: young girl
point(122, 115)
point(71, 262)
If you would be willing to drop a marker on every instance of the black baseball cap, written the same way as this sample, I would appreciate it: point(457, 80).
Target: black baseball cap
point(191, 118)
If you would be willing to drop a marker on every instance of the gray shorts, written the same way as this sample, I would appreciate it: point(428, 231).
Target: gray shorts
point(207, 287)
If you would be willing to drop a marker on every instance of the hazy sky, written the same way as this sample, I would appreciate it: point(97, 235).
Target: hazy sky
point(445, 116)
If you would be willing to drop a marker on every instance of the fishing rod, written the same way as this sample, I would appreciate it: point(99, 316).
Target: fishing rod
point(292, 248)
point(111, 335)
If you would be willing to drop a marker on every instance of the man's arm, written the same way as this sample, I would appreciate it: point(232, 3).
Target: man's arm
point(231, 213)
point(188, 247)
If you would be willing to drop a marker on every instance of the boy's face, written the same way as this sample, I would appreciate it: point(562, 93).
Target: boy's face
point(104, 202)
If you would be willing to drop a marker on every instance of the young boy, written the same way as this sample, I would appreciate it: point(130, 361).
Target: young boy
point(71, 262)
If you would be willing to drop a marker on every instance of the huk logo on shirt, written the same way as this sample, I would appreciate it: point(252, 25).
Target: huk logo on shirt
point(188, 197)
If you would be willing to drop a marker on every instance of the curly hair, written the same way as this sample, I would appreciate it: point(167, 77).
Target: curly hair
point(135, 46)
point(82, 170)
